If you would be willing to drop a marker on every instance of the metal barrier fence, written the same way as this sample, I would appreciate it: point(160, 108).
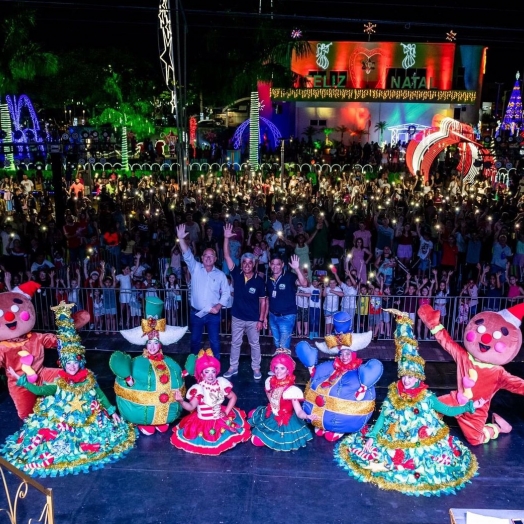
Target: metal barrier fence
point(23, 504)
point(114, 309)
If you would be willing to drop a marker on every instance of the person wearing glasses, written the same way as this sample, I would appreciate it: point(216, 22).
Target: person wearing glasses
point(209, 294)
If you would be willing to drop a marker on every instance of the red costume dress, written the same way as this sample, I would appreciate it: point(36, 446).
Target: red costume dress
point(208, 430)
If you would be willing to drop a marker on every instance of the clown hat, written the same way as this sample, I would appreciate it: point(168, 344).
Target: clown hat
point(513, 315)
point(409, 361)
point(342, 322)
point(28, 289)
point(154, 307)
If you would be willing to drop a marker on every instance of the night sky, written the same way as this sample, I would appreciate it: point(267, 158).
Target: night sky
point(133, 25)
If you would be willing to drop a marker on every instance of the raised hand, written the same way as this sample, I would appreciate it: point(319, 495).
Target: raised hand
point(228, 231)
point(294, 262)
point(181, 231)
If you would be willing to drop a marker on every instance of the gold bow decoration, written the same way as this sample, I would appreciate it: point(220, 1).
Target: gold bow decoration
point(204, 352)
point(343, 339)
point(151, 324)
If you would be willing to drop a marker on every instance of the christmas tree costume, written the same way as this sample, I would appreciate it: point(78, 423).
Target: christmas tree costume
point(145, 385)
point(341, 391)
point(73, 427)
point(210, 429)
point(277, 425)
point(409, 449)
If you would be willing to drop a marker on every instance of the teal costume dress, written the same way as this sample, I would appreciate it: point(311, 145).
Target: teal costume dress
point(70, 431)
point(412, 451)
point(277, 424)
point(148, 398)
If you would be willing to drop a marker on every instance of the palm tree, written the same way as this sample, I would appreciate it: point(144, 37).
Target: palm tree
point(124, 115)
point(21, 60)
point(342, 129)
point(381, 127)
point(327, 131)
point(310, 132)
point(360, 133)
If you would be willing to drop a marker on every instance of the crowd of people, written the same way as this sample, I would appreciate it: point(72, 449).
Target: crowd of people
point(362, 244)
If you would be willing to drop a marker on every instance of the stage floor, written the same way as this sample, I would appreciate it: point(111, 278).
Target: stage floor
point(156, 483)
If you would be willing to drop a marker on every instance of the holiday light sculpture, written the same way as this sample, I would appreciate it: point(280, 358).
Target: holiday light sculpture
point(369, 29)
point(513, 117)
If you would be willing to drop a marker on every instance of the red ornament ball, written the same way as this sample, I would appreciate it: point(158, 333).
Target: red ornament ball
point(417, 475)
point(320, 401)
point(164, 379)
point(161, 367)
point(416, 411)
point(164, 398)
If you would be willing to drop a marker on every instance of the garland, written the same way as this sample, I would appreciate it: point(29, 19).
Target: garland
point(345, 461)
point(78, 389)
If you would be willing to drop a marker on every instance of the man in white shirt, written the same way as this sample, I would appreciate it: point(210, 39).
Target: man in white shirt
point(27, 185)
point(210, 292)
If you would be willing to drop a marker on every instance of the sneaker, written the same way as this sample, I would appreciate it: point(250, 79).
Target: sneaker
point(256, 374)
point(230, 372)
point(282, 351)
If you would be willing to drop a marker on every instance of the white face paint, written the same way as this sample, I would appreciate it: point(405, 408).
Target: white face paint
point(281, 371)
point(209, 375)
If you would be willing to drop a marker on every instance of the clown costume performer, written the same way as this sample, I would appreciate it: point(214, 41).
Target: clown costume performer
point(210, 428)
point(73, 428)
point(409, 449)
point(145, 385)
point(281, 424)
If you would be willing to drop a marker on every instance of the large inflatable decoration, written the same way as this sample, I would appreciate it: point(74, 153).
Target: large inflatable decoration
point(491, 339)
point(23, 350)
point(145, 385)
point(424, 148)
point(341, 391)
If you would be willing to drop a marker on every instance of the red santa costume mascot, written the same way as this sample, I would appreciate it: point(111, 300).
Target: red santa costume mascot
point(23, 350)
point(491, 339)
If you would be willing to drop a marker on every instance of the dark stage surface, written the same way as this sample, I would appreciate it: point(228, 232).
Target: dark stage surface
point(156, 483)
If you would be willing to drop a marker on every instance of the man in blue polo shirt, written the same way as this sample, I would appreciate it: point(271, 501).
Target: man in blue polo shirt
point(281, 296)
point(249, 307)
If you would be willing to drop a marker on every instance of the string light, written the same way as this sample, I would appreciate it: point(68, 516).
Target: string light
point(374, 95)
point(369, 29)
point(451, 36)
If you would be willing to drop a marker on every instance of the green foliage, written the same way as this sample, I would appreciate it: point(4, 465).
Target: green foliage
point(381, 127)
point(21, 59)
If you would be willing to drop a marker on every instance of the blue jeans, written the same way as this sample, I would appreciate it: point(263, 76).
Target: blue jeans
point(282, 329)
point(212, 322)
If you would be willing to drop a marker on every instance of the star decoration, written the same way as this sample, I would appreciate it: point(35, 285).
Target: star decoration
point(76, 404)
point(296, 34)
point(451, 36)
point(376, 467)
point(369, 29)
